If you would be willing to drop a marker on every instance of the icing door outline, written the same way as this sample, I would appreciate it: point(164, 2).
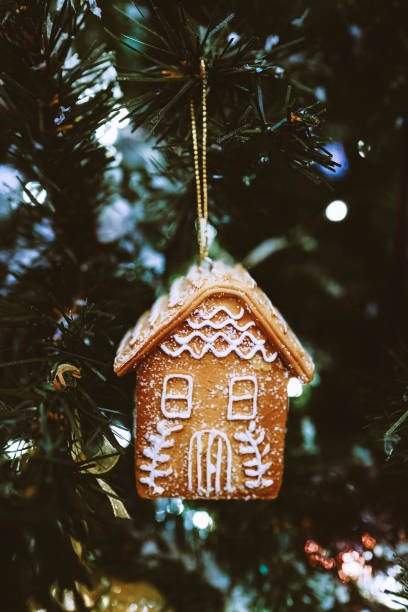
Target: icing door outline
point(187, 397)
point(234, 413)
point(205, 476)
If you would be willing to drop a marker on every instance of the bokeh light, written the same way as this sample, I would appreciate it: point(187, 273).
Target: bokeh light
point(36, 190)
point(336, 211)
point(202, 520)
point(122, 435)
point(294, 387)
point(339, 156)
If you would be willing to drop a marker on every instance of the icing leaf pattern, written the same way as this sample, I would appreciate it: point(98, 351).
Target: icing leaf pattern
point(255, 469)
point(158, 442)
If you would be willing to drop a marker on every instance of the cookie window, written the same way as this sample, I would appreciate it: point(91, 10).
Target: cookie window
point(176, 400)
point(243, 391)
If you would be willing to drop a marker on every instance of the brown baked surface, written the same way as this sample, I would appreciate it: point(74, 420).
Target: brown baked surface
point(187, 293)
point(174, 443)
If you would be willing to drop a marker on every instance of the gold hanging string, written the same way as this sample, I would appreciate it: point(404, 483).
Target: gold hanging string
point(201, 177)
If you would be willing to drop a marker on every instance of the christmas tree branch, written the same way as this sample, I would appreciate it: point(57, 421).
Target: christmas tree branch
point(55, 368)
point(246, 89)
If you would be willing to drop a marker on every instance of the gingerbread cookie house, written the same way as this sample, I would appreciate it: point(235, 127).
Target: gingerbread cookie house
point(213, 360)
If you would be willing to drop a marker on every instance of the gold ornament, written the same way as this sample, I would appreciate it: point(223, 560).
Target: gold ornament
point(136, 597)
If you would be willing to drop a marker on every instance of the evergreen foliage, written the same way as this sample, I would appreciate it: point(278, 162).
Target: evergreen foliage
point(97, 216)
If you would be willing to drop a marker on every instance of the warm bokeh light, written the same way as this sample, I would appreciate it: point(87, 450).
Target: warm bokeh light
point(368, 541)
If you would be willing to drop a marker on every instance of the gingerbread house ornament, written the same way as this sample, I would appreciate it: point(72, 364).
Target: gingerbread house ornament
point(213, 361)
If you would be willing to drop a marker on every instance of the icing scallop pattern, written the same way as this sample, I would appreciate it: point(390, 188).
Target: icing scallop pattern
point(203, 336)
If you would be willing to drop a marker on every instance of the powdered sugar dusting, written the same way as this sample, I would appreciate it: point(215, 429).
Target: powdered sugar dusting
point(216, 277)
point(219, 330)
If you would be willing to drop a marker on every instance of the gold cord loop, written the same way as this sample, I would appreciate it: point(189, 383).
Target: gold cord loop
point(201, 177)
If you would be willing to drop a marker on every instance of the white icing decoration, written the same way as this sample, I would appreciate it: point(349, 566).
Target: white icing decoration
point(234, 416)
point(233, 344)
point(236, 342)
point(254, 468)
point(211, 468)
point(220, 325)
point(218, 309)
point(184, 414)
point(219, 353)
point(153, 452)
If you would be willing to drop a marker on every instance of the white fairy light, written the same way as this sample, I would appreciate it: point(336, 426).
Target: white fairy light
point(353, 565)
point(107, 134)
point(36, 190)
point(376, 588)
point(360, 146)
point(233, 38)
point(295, 387)
point(202, 520)
point(122, 435)
point(121, 120)
point(363, 148)
point(336, 211)
point(16, 448)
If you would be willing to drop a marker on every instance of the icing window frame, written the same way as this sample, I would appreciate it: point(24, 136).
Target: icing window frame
point(187, 397)
point(245, 396)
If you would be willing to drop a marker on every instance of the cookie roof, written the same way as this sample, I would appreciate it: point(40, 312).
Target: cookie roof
point(220, 325)
point(187, 293)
